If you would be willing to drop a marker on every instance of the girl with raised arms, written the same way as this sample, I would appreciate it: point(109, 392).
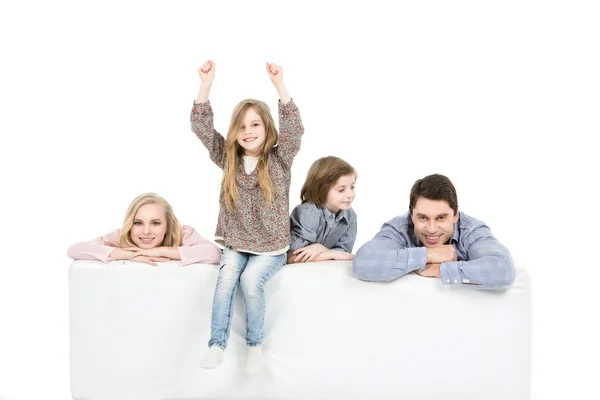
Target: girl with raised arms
point(253, 223)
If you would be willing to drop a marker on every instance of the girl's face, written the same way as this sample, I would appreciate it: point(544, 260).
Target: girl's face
point(251, 135)
point(341, 194)
point(149, 226)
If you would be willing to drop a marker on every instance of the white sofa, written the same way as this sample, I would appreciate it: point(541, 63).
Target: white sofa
point(138, 332)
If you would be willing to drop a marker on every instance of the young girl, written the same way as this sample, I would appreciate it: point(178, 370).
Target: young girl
point(253, 222)
point(323, 227)
point(151, 233)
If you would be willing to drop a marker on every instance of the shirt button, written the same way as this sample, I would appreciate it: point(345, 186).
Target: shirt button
point(448, 280)
point(455, 281)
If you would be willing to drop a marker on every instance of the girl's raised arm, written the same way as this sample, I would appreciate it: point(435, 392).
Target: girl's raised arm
point(207, 74)
point(276, 75)
point(290, 123)
point(202, 120)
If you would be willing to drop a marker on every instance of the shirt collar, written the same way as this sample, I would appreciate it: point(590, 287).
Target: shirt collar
point(455, 235)
point(343, 214)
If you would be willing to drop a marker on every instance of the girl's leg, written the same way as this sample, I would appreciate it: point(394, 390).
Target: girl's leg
point(259, 270)
point(232, 266)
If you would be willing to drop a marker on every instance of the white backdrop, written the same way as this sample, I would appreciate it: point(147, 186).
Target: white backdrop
point(501, 97)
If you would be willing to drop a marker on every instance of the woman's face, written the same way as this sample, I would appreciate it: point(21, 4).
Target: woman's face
point(149, 226)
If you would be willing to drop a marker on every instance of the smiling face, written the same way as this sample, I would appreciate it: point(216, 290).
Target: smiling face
point(434, 221)
point(251, 134)
point(341, 194)
point(149, 226)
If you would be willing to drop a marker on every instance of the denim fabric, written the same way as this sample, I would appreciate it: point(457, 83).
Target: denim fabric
point(251, 271)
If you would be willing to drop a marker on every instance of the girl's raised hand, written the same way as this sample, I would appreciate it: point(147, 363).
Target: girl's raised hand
point(275, 73)
point(207, 71)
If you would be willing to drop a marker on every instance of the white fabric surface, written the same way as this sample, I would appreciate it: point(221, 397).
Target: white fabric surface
point(138, 332)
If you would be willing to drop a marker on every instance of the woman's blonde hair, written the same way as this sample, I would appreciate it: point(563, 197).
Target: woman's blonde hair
point(173, 234)
point(235, 151)
point(321, 177)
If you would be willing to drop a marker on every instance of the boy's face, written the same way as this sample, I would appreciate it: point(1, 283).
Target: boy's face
point(341, 194)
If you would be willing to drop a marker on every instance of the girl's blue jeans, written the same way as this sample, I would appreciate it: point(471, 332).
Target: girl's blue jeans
point(251, 271)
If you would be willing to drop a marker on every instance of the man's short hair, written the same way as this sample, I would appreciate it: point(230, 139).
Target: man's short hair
point(434, 187)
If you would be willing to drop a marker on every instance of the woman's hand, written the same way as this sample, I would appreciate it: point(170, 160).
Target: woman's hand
point(149, 260)
point(148, 256)
point(167, 253)
point(153, 252)
point(124, 254)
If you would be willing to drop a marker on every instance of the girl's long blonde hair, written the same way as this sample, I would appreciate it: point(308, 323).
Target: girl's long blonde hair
point(235, 151)
point(173, 234)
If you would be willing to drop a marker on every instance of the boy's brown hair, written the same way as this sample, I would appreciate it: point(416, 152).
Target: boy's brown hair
point(321, 177)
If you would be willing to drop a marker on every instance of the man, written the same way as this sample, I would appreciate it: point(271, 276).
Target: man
point(434, 239)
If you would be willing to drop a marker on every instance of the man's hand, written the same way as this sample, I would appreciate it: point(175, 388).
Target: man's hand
point(308, 253)
point(440, 254)
point(430, 271)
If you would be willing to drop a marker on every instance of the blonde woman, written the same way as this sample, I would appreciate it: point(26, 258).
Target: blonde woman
point(253, 222)
point(151, 233)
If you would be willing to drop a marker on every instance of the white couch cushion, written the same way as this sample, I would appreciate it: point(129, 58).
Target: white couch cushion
point(138, 332)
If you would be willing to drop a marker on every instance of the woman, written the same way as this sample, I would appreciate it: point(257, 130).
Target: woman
point(151, 233)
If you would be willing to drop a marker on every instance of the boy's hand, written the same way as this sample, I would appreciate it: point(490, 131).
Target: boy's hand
point(308, 253)
point(341, 255)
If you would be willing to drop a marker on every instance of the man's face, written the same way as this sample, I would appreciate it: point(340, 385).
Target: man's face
point(434, 221)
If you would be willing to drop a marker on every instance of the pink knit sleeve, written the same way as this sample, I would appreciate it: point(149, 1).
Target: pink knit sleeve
point(196, 249)
point(96, 249)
